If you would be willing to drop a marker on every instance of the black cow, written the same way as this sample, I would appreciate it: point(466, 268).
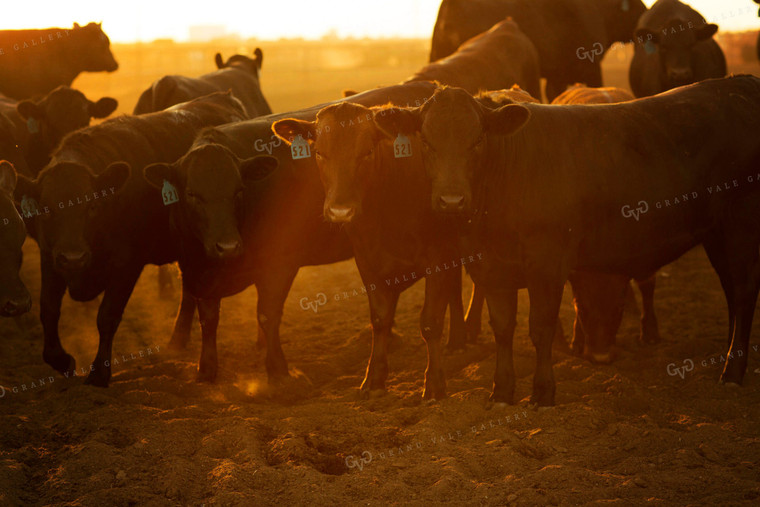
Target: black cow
point(239, 74)
point(34, 62)
point(47, 120)
point(14, 297)
point(675, 48)
point(499, 58)
point(571, 36)
point(554, 188)
point(281, 224)
point(97, 221)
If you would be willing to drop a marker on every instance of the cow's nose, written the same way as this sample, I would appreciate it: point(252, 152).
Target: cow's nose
point(451, 202)
point(341, 213)
point(72, 260)
point(228, 248)
point(681, 76)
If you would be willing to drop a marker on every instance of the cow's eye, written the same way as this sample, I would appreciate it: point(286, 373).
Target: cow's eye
point(369, 153)
point(318, 155)
point(425, 145)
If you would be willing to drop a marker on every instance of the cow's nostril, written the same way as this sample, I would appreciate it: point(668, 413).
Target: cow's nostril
point(452, 201)
point(228, 247)
point(340, 213)
point(10, 307)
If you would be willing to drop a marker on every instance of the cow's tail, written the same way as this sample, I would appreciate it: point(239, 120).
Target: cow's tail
point(157, 97)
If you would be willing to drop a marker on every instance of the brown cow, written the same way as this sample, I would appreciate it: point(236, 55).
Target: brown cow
point(582, 94)
point(14, 297)
point(379, 194)
point(550, 189)
point(496, 59)
point(34, 62)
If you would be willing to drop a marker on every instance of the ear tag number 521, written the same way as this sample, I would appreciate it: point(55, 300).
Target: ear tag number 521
point(169, 194)
point(402, 147)
point(299, 148)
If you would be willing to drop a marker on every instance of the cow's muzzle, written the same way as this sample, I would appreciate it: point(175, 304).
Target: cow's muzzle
point(72, 261)
point(451, 203)
point(340, 213)
point(16, 305)
point(227, 249)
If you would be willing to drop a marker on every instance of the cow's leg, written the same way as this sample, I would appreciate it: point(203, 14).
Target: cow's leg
point(745, 277)
point(437, 291)
point(183, 324)
point(273, 288)
point(457, 329)
point(717, 255)
point(502, 309)
point(208, 313)
point(546, 273)
point(382, 308)
point(110, 312)
point(165, 282)
point(650, 332)
point(51, 296)
point(473, 320)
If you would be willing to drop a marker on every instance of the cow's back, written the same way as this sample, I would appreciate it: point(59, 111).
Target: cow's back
point(581, 94)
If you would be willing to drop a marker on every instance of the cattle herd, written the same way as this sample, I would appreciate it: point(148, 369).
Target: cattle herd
point(461, 164)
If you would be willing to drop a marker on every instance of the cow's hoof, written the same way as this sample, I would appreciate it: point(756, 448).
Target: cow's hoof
point(97, 379)
point(61, 363)
point(501, 398)
point(371, 394)
point(601, 358)
point(452, 348)
point(473, 331)
point(543, 394)
point(499, 405)
point(206, 375)
point(179, 341)
point(434, 392)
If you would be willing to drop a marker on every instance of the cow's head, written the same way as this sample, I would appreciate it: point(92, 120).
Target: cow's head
point(62, 111)
point(674, 43)
point(69, 219)
point(210, 181)
point(252, 65)
point(456, 24)
point(620, 18)
point(454, 130)
point(92, 48)
point(10, 145)
point(14, 297)
point(344, 141)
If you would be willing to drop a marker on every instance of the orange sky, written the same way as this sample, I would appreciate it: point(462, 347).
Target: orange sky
point(147, 20)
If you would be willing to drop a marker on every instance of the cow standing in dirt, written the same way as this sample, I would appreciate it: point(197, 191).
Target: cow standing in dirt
point(544, 187)
point(97, 221)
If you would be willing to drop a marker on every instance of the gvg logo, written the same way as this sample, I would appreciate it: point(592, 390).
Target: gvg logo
point(314, 305)
point(260, 145)
point(628, 212)
point(596, 50)
point(681, 371)
point(353, 462)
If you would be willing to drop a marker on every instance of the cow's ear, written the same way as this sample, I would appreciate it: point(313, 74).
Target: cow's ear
point(506, 120)
point(393, 121)
point(156, 174)
point(707, 31)
point(290, 128)
point(643, 35)
point(218, 60)
point(103, 107)
point(259, 54)
point(257, 168)
point(28, 109)
point(8, 177)
point(76, 25)
point(114, 177)
point(26, 187)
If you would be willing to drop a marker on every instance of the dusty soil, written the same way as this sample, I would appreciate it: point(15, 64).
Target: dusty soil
point(629, 433)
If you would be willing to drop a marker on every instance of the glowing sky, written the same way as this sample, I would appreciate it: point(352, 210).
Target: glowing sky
point(146, 20)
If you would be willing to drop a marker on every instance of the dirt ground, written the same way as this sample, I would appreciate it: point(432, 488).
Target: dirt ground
point(647, 429)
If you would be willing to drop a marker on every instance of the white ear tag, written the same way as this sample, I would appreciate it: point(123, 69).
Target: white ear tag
point(299, 148)
point(169, 193)
point(402, 147)
point(29, 207)
point(32, 125)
